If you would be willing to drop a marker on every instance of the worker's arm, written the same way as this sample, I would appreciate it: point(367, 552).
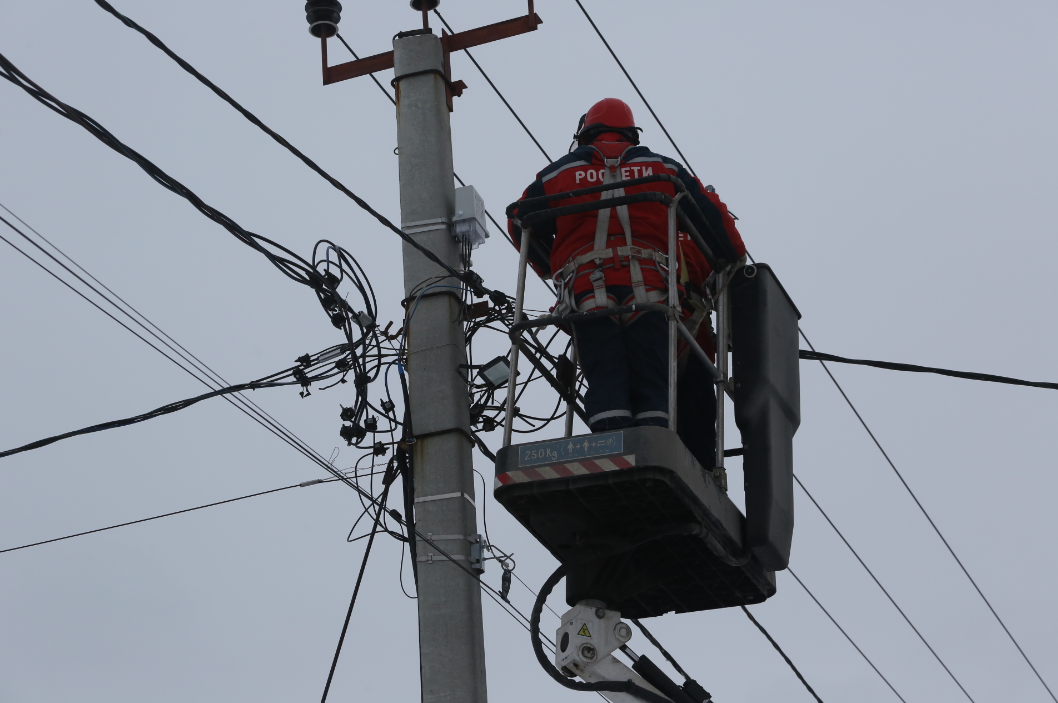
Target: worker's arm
point(543, 232)
point(718, 229)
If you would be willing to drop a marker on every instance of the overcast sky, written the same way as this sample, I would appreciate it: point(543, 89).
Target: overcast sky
point(894, 163)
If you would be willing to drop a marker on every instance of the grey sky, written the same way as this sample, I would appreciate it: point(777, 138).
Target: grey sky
point(894, 163)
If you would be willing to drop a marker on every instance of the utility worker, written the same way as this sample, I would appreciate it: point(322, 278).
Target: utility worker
point(617, 256)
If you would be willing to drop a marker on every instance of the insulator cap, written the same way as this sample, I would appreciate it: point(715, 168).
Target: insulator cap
point(323, 17)
point(420, 5)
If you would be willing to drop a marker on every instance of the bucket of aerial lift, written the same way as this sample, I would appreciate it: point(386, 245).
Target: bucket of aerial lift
point(640, 525)
point(765, 385)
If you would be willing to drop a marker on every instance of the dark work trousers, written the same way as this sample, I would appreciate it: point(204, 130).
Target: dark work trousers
point(625, 366)
point(696, 411)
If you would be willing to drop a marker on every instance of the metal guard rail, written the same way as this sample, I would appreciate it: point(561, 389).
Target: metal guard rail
point(658, 197)
point(515, 332)
point(671, 310)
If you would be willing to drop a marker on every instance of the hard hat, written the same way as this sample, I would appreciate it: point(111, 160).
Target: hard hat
point(608, 115)
point(610, 112)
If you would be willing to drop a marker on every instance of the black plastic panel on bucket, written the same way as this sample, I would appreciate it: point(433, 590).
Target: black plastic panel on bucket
point(636, 520)
point(767, 395)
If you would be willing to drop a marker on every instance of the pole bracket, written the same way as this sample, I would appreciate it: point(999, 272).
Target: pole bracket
point(449, 43)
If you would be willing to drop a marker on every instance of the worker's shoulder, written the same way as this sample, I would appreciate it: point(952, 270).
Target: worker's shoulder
point(640, 154)
point(577, 157)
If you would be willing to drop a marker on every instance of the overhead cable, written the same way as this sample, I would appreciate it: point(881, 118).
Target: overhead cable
point(929, 519)
point(197, 369)
point(352, 601)
point(842, 631)
point(295, 267)
point(973, 376)
point(781, 653)
point(338, 476)
point(296, 375)
point(495, 89)
point(885, 591)
point(501, 229)
point(285, 434)
point(643, 97)
point(303, 484)
point(664, 652)
point(902, 367)
point(469, 277)
point(324, 283)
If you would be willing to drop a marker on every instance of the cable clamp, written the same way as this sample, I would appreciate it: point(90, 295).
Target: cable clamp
point(476, 557)
point(430, 558)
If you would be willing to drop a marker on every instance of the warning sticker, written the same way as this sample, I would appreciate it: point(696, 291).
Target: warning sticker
point(583, 632)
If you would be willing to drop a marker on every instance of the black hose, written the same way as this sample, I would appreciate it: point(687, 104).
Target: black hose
point(629, 686)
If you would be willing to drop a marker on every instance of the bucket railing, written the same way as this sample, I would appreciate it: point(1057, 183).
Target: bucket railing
point(677, 218)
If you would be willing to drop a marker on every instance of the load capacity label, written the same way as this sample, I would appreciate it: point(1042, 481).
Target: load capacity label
point(561, 451)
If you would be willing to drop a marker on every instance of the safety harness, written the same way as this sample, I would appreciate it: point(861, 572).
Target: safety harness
point(610, 257)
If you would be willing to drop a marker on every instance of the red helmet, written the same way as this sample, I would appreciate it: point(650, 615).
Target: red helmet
point(608, 115)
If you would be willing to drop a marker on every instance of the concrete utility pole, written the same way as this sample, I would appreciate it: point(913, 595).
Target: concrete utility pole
point(451, 640)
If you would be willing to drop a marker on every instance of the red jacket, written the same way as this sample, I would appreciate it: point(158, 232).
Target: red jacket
point(557, 242)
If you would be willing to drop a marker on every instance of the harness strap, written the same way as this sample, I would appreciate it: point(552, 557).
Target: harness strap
point(612, 174)
point(564, 278)
point(701, 307)
point(614, 254)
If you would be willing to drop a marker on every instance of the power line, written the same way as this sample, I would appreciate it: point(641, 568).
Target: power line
point(977, 377)
point(389, 96)
point(12, 74)
point(879, 584)
point(352, 601)
point(297, 375)
point(891, 366)
point(914, 497)
point(781, 653)
point(930, 520)
point(643, 97)
point(385, 92)
point(303, 484)
point(691, 168)
point(495, 89)
point(243, 404)
point(323, 284)
point(469, 277)
point(157, 412)
point(842, 630)
point(664, 652)
point(102, 4)
point(906, 367)
point(307, 451)
point(491, 592)
point(296, 268)
point(685, 160)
